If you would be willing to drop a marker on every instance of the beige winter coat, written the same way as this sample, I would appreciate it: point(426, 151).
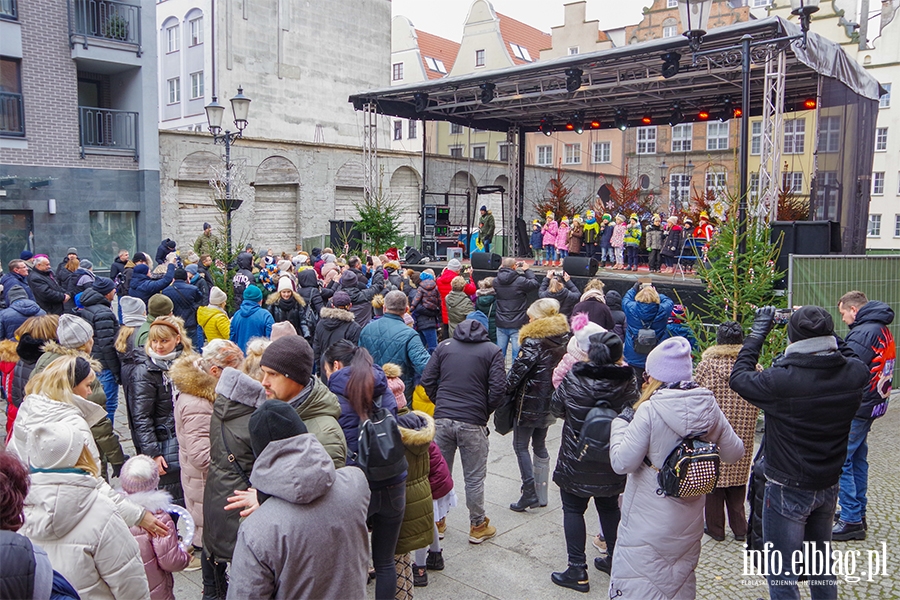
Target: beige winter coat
point(193, 411)
point(70, 516)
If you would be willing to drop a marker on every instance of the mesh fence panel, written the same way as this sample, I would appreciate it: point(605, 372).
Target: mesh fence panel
point(822, 280)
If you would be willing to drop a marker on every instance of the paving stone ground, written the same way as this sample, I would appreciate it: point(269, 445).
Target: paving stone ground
point(516, 564)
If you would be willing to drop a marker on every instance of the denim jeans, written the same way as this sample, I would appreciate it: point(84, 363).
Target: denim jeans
point(198, 339)
point(505, 336)
point(632, 253)
point(792, 516)
point(855, 476)
point(551, 252)
point(606, 254)
point(472, 442)
point(573, 523)
point(386, 508)
point(562, 253)
point(111, 391)
point(429, 339)
point(521, 436)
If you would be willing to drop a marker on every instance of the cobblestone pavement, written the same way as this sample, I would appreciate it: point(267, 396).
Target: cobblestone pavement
point(518, 561)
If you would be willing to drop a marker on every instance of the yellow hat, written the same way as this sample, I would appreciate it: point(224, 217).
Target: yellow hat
point(633, 216)
point(549, 214)
point(588, 213)
point(566, 219)
point(577, 216)
point(535, 222)
point(704, 215)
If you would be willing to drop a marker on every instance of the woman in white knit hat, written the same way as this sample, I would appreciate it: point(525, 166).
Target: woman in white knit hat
point(658, 544)
point(214, 318)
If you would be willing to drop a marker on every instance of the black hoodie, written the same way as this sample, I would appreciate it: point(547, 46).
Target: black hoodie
point(308, 288)
point(466, 378)
point(873, 343)
point(334, 324)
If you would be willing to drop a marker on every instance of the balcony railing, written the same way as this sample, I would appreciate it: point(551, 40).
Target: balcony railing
point(104, 19)
point(108, 129)
point(9, 10)
point(12, 115)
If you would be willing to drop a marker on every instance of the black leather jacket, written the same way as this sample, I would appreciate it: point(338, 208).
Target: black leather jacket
point(542, 344)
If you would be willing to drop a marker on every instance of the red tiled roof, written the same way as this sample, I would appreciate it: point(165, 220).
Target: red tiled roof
point(517, 32)
point(442, 49)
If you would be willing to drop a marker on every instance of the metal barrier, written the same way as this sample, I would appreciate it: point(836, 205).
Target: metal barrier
point(822, 280)
point(12, 114)
point(109, 129)
point(105, 19)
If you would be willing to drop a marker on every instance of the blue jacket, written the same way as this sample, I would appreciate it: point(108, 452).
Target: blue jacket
point(639, 314)
point(537, 240)
point(12, 318)
point(142, 286)
point(11, 280)
point(250, 321)
point(186, 299)
point(682, 330)
point(389, 339)
point(349, 420)
point(606, 236)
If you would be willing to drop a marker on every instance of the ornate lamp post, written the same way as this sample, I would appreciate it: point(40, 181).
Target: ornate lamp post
point(240, 107)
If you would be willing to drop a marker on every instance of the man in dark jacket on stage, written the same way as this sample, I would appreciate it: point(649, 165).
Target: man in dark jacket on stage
point(810, 395)
point(873, 344)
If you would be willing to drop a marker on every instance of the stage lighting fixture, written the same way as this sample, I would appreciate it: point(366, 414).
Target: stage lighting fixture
point(577, 123)
point(487, 92)
point(727, 109)
point(595, 124)
point(677, 117)
point(621, 119)
point(421, 100)
point(671, 64)
point(546, 126)
point(703, 115)
point(647, 119)
point(809, 103)
point(573, 78)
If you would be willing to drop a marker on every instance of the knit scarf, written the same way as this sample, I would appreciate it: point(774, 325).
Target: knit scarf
point(591, 225)
point(816, 345)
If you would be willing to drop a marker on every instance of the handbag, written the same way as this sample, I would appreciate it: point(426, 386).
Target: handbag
point(645, 340)
point(505, 416)
point(168, 448)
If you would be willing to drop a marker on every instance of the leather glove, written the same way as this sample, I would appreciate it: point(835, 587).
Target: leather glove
point(627, 414)
point(763, 322)
point(117, 469)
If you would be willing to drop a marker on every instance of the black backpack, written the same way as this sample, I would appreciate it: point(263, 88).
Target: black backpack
point(593, 439)
point(380, 452)
point(690, 470)
point(645, 340)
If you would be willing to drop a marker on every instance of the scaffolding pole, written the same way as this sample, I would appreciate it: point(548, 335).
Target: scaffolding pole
point(771, 139)
point(370, 151)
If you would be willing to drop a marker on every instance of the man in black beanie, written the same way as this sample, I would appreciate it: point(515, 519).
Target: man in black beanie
point(306, 505)
point(810, 395)
point(287, 376)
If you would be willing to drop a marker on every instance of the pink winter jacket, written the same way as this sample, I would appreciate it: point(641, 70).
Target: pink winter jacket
point(574, 354)
point(562, 237)
point(193, 411)
point(618, 236)
point(161, 556)
point(550, 230)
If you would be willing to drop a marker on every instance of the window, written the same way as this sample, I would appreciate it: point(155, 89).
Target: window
point(717, 136)
point(172, 44)
point(573, 50)
point(760, 3)
point(885, 100)
point(12, 116)
point(715, 183)
point(479, 152)
point(397, 71)
point(398, 130)
point(111, 232)
point(679, 189)
point(196, 31)
point(646, 140)
point(792, 182)
point(670, 31)
point(671, 3)
point(175, 90)
point(682, 137)
point(753, 188)
point(435, 65)
point(545, 155)
point(794, 136)
point(756, 138)
point(896, 225)
point(881, 139)
point(520, 52)
point(455, 129)
point(479, 58)
point(827, 191)
point(874, 227)
point(573, 154)
point(411, 128)
point(829, 134)
point(503, 152)
point(601, 152)
point(456, 151)
point(878, 183)
point(196, 85)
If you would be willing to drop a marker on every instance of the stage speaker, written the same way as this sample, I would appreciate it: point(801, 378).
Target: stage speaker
point(580, 266)
point(804, 238)
point(486, 261)
point(414, 257)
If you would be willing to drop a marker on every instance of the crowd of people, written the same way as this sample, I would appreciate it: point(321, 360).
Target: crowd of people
point(262, 432)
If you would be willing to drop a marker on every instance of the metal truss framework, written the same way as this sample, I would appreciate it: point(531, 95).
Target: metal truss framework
point(370, 151)
point(513, 166)
point(772, 141)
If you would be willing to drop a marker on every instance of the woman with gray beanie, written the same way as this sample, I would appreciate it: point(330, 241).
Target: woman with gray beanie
point(658, 543)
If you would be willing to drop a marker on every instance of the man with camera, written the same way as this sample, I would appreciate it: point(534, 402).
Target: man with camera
point(512, 285)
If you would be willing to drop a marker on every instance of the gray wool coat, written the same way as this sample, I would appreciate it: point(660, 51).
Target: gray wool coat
point(659, 537)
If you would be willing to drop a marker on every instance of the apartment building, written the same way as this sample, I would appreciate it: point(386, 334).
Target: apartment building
point(185, 36)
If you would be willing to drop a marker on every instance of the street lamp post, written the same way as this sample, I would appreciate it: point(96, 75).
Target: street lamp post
point(240, 107)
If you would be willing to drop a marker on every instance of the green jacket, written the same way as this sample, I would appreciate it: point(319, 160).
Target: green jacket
point(486, 226)
point(320, 412)
point(633, 235)
point(207, 245)
point(417, 530)
point(143, 332)
point(458, 306)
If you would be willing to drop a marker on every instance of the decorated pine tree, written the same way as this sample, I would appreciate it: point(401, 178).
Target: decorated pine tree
point(558, 198)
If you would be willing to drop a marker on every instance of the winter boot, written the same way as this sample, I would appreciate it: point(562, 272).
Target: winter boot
point(574, 578)
point(541, 477)
point(435, 561)
point(529, 499)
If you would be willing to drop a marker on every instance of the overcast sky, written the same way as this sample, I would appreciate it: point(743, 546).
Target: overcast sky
point(445, 17)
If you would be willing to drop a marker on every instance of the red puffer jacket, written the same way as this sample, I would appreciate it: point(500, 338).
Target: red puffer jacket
point(439, 477)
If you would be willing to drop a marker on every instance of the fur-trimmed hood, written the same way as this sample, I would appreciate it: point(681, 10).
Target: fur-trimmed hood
point(336, 313)
point(391, 370)
point(544, 328)
point(52, 347)
point(8, 351)
point(191, 379)
point(152, 500)
point(276, 296)
point(423, 432)
point(722, 351)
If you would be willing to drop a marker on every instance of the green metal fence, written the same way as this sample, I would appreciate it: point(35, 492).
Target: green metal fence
point(822, 280)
